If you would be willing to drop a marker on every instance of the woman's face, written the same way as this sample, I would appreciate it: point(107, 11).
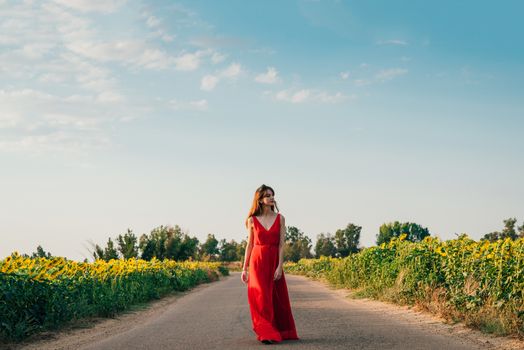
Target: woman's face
point(268, 198)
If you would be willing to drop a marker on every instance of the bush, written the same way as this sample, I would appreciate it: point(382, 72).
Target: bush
point(41, 293)
point(472, 279)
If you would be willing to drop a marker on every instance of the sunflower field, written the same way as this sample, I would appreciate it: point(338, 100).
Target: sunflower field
point(478, 282)
point(42, 293)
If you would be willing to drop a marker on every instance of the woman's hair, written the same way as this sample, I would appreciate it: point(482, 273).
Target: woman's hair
point(256, 207)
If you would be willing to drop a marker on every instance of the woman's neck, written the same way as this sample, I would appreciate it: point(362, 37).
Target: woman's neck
point(266, 210)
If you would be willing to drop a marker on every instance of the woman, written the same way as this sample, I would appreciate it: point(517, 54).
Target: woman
point(266, 285)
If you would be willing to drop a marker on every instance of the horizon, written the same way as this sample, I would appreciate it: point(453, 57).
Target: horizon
point(118, 114)
point(201, 241)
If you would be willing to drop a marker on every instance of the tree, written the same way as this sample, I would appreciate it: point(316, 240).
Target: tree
point(159, 237)
point(188, 248)
point(509, 229)
point(297, 245)
point(147, 247)
point(163, 242)
point(492, 236)
point(293, 234)
point(127, 245)
point(98, 252)
point(167, 242)
point(110, 251)
point(241, 250)
point(228, 250)
point(209, 248)
point(414, 232)
point(347, 240)
point(107, 253)
point(521, 231)
point(41, 253)
point(325, 246)
point(507, 232)
point(173, 242)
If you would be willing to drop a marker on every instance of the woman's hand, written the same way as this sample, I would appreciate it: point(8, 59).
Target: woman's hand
point(278, 273)
point(245, 276)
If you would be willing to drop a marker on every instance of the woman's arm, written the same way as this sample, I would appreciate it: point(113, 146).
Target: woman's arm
point(282, 241)
point(249, 245)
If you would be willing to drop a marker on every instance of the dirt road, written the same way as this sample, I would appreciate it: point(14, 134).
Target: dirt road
point(216, 316)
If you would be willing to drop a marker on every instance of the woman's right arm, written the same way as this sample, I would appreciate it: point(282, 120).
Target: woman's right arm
point(249, 245)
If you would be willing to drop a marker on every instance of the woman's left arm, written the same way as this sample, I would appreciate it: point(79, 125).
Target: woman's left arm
point(282, 241)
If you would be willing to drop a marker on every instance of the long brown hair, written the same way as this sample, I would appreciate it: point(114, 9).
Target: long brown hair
point(256, 207)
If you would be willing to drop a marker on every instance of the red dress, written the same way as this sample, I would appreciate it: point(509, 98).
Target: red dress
point(268, 299)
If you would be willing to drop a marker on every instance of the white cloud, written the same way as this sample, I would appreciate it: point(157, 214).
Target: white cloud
point(8, 120)
point(36, 50)
point(133, 52)
point(187, 62)
point(397, 42)
point(61, 70)
point(69, 27)
point(232, 71)
point(324, 97)
point(57, 44)
point(24, 93)
point(293, 97)
point(381, 76)
point(69, 121)
point(104, 6)
point(137, 53)
point(388, 74)
point(152, 21)
point(36, 121)
point(270, 77)
point(362, 82)
point(197, 105)
point(158, 30)
point(89, 76)
point(41, 53)
point(52, 78)
point(208, 82)
point(217, 57)
point(344, 75)
point(166, 37)
point(59, 141)
point(200, 105)
point(153, 59)
point(79, 37)
point(110, 97)
point(309, 95)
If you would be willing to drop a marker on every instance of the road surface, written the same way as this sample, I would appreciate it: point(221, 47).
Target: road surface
point(217, 317)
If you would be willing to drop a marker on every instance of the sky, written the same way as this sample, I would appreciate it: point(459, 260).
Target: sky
point(119, 115)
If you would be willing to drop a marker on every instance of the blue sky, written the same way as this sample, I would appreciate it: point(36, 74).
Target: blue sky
point(134, 114)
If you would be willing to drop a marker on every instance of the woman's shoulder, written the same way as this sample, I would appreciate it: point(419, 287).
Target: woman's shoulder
point(281, 216)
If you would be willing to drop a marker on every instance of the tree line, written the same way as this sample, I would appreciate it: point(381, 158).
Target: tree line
point(168, 242)
point(508, 231)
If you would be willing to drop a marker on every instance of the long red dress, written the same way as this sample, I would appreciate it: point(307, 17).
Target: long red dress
point(268, 299)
